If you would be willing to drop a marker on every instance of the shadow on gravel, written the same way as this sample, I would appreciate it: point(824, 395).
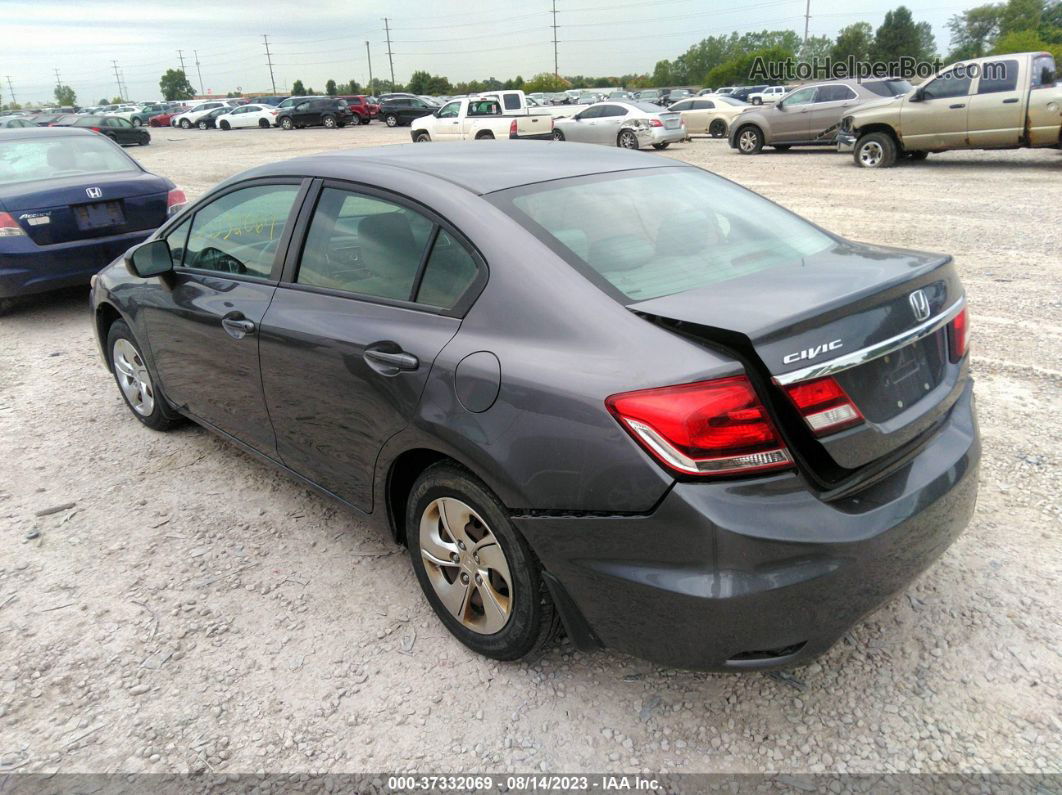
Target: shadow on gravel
point(47, 306)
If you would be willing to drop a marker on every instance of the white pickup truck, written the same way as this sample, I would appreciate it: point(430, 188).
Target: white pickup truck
point(477, 118)
point(515, 102)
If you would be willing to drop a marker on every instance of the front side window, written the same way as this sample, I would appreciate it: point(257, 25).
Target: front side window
point(450, 111)
point(239, 232)
point(949, 84)
point(645, 235)
point(997, 76)
point(684, 105)
point(802, 97)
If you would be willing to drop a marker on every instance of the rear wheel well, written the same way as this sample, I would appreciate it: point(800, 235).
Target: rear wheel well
point(403, 474)
point(106, 315)
point(484, 134)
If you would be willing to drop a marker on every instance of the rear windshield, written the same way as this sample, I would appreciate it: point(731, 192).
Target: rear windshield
point(888, 88)
point(661, 231)
point(49, 158)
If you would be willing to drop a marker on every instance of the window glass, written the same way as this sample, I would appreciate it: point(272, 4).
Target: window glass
point(593, 112)
point(512, 101)
point(801, 97)
point(838, 93)
point(948, 85)
point(448, 274)
point(684, 105)
point(239, 232)
point(364, 245)
point(1043, 71)
point(703, 104)
point(887, 88)
point(998, 76)
point(665, 231)
point(450, 111)
point(177, 240)
point(613, 111)
point(486, 107)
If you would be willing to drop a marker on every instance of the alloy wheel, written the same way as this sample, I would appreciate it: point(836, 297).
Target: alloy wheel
point(871, 154)
point(133, 377)
point(328, 121)
point(747, 141)
point(628, 140)
point(466, 565)
point(185, 124)
point(392, 121)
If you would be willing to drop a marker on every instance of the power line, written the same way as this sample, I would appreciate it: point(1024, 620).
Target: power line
point(556, 69)
point(269, 60)
point(390, 58)
point(11, 88)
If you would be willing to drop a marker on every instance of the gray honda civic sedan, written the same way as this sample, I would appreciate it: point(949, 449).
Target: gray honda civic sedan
point(588, 389)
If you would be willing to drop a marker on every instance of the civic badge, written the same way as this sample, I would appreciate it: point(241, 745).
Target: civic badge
point(94, 193)
point(919, 304)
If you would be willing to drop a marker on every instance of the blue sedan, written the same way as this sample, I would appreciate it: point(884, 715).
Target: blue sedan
point(71, 201)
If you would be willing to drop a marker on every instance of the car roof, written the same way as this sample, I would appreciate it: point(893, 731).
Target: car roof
point(477, 167)
point(42, 132)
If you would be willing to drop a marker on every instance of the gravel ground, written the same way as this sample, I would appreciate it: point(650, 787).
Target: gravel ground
point(169, 604)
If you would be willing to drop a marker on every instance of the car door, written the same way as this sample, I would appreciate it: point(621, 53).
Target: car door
point(826, 110)
point(364, 308)
point(997, 107)
point(234, 117)
point(935, 116)
point(447, 125)
point(304, 114)
point(202, 321)
point(120, 129)
point(610, 119)
point(584, 125)
point(697, 116)
point(790, 118)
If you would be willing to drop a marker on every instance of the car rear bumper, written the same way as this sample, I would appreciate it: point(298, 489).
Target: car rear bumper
point(26, 268)
point(757, 574)
point(846, 142)
point(661, 135)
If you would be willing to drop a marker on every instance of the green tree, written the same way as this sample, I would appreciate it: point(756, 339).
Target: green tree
point(1026, 41)
point(115, 101)
point(1020, 15)
point(739, 70)
point(330, 88)
point(973, 31)
point(899, 36)
point(65, 96)
point(298, 89)
point(174, 85)
point(816, 47)
point(104, 101)
point(546, 82)
point(854, 41)
point(662, 73)
point(354, 87)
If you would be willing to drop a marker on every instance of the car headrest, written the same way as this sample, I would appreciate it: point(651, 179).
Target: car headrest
point(685, 233)
point(619, 253)
point(387, 244)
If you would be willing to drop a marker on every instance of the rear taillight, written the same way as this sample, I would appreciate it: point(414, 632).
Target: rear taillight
point(512, 128)
point(824, 405)
point(95, 129)
point(715, 427)
point(655, 123)
point(958, 335)
point(175, 200)
point(9, 226)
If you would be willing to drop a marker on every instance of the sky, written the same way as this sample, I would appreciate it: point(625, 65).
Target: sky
point(314, 40)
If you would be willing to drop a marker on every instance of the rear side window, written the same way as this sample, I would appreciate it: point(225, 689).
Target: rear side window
point(837, 93)
point(1043, 71)
point(997, 76)
point(449, 273)
point(613, 110)
point(239, 232)
point(511, 101)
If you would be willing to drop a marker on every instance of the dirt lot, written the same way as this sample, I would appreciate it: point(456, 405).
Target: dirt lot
point(190, 609)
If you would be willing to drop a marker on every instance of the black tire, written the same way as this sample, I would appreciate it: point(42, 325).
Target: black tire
point(137, 122)
point(782, 147)
point(917, 155)
point(287, 123)
point(533, 621)
point(627, 140)
point(145, 141)
point(162, 417)
point(201, 125)
point(185, 124)
point(363, 119)
point(717, 129)
point(485, 136)
point(750, 140)
point(661, 146)
point(391, 120)
point(263, 124)
point(225, 125)
point(875, 150)
point(328, 121)
point(422, 138)
point(756, 101)
point(558, 135)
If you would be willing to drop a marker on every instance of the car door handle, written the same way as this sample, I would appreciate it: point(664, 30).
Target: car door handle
point(237, 326)
point(956, 107)
point(1010, 101)
point(387, 363)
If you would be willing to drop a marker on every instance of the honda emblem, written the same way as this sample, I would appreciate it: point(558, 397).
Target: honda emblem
point(94, 193)
point(919, 305)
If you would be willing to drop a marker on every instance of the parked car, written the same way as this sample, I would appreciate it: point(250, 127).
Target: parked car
point(672, 95)
point(776, 434)
point(630, 125)
point(70, 202)
point(403, 110)
point(188, 119)
point(291, 102)
point(361, 107)
point(271, 101)
point(15, 121)
point(705, 91)
point(119, 130)
point(147, 112)
point(209, 120)
point(328, 112)
point(397, 95)
point(744, 92)
point(767, 96)
point(255, 115)
point(163, 119)
point(808, 116)
point(709, 114)
point(998, 102)
point(478, 118)
point(726, 90)
point(649, 95)
point(46, 119)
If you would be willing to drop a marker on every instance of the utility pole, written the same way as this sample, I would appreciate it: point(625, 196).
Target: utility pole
point(556, 70)
point(58, 80)
point(198, 71)
point(180, 57)
point(269, 60)
point(390, 60)
point(117, 79)
point(368, 54)
point(807, 20)
point(11, 88)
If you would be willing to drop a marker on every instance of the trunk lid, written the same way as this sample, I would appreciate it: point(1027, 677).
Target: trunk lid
point(62, 210)
point(849, 305)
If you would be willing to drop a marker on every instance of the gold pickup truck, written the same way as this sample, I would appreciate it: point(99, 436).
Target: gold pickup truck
point(998, 102)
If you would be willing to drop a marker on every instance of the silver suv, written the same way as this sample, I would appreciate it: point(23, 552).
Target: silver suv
point(807, 116)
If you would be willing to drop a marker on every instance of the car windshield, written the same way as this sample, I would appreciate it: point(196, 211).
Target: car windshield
point(888, 88)
point(661, 231)
point(49, 158)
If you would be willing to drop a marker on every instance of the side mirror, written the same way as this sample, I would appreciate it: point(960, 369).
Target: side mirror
point(780, 106)
point(149, 259)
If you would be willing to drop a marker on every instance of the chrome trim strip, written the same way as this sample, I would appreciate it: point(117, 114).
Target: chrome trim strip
point(864, 355)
